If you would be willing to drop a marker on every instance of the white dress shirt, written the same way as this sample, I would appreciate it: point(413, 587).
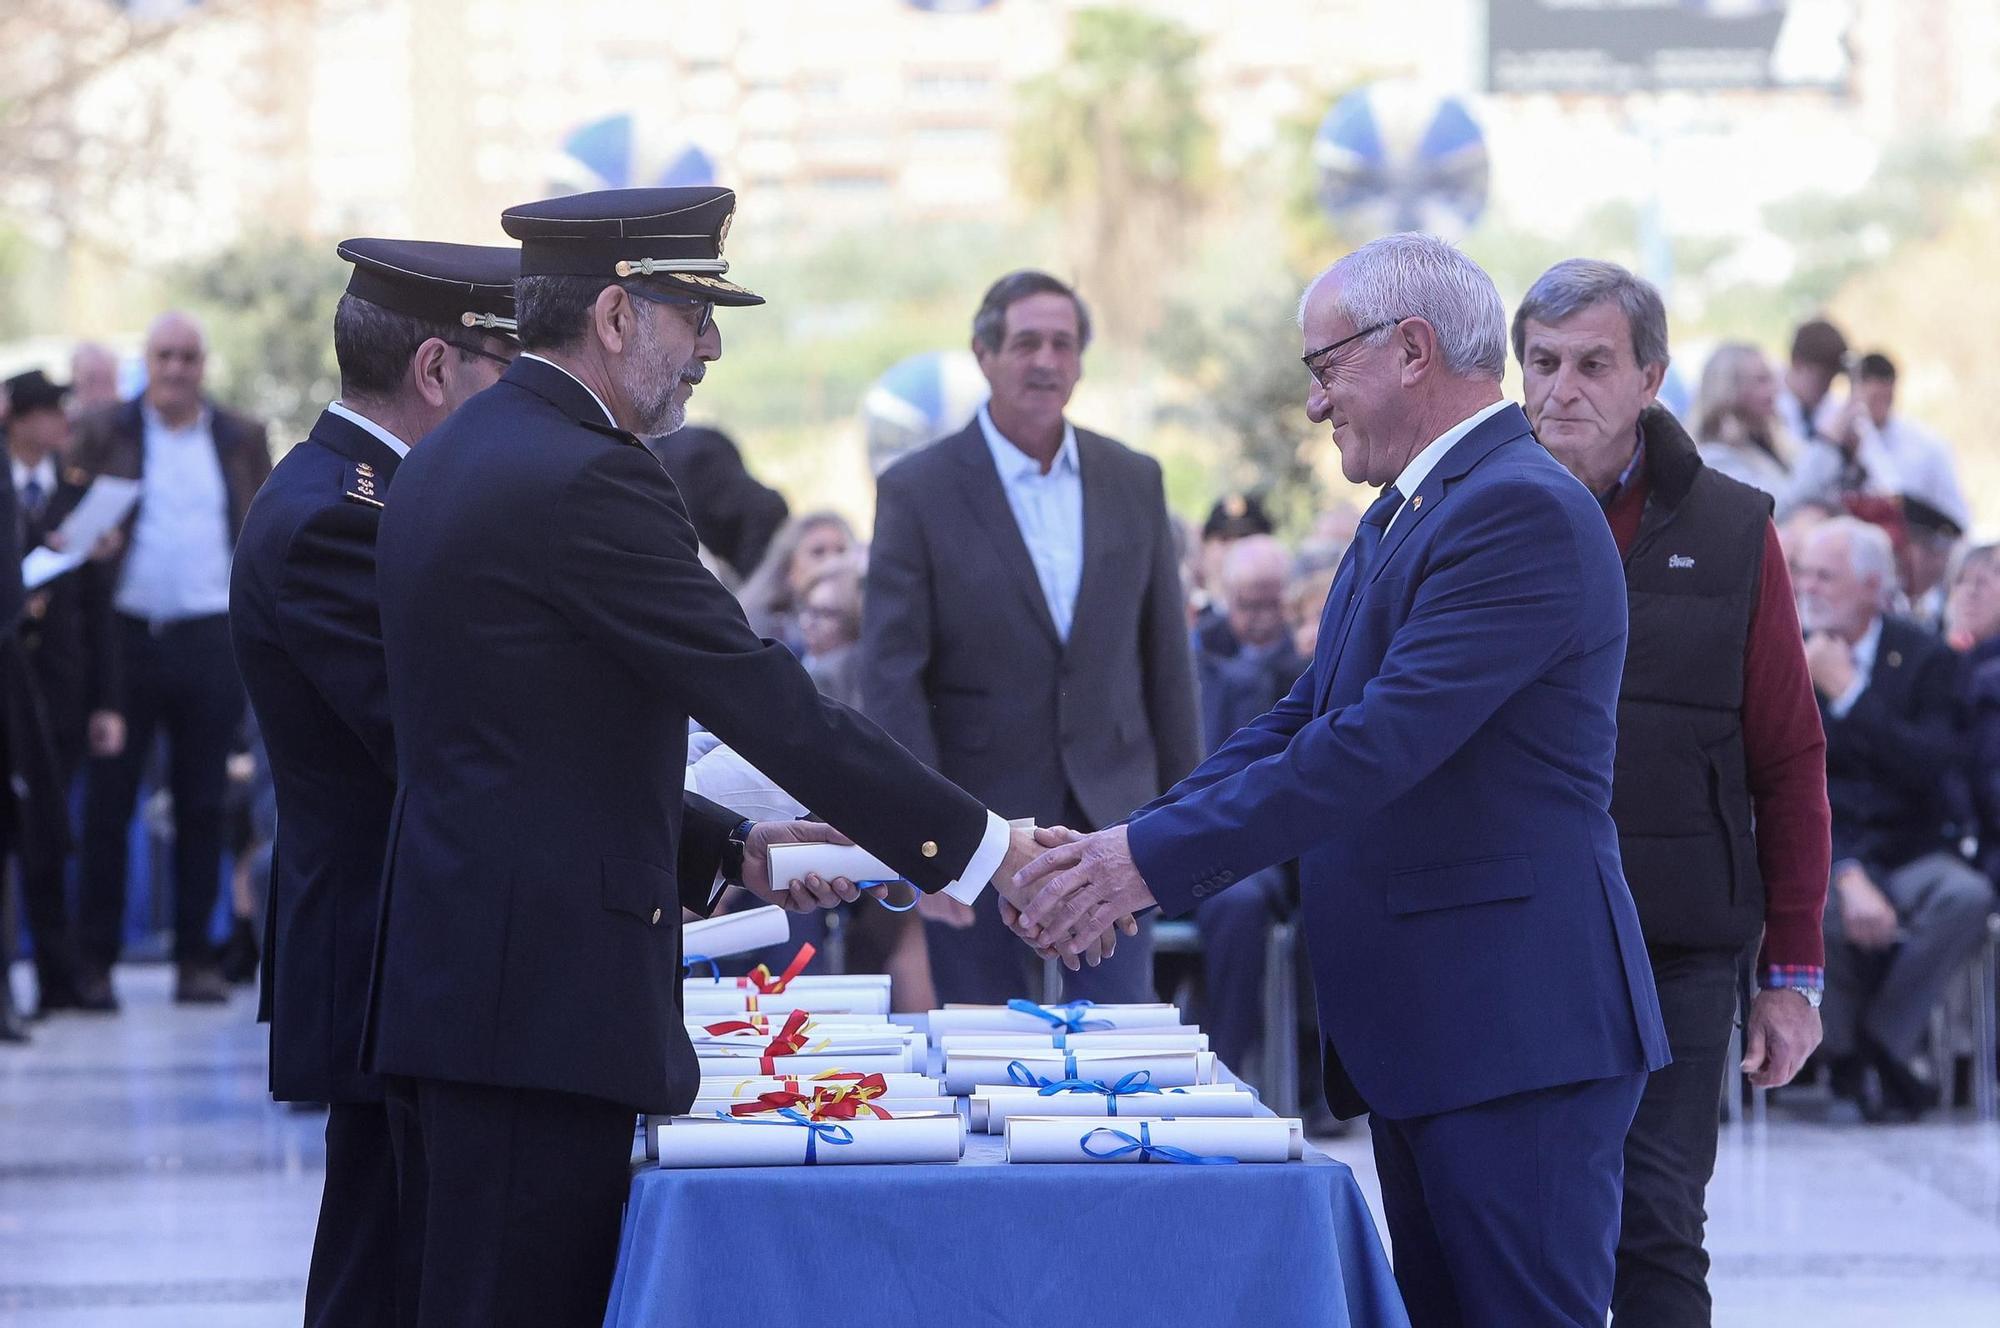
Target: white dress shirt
point(608, 417)
point(178, 566)
point(1423, 463)
point(366, 425)
point(1922, 463)
point(1049, 511)
point(1864, 670)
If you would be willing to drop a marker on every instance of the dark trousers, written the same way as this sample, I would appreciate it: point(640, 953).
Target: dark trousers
point(1506, 1212)
point(1670, 1151)
point(353, 1278)
point(1235, 934)
point(510, 1203)
point(986, 964)
point(45, 900)
point(181, 678)
point(1886, 996)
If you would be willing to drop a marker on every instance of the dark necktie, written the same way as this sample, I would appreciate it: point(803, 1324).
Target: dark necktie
point(31, 496)
point(1368, 535)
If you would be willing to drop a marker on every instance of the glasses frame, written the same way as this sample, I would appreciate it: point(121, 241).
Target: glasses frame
point(707, 307)
point(484, 354)
point(1320, 354)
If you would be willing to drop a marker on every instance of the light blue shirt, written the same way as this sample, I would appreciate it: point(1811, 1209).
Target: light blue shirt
point(179, 563)
point(1049, 511)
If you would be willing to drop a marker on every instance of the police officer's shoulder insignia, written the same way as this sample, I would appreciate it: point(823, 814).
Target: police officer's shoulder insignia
point(362, 485)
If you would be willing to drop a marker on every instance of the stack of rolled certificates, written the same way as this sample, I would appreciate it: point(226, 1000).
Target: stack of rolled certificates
point(1102, 1083)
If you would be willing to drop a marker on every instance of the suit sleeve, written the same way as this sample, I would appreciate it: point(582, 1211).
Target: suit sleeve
point(1163, 631)
point(330, 621)
point(705, 826)
point(896, 623)
point(1500, 604)
point(11, 594)
point(1914, 750)
point(757, 511)
point(622, 568)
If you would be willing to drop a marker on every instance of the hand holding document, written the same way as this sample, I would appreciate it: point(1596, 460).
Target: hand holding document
point(99, 512)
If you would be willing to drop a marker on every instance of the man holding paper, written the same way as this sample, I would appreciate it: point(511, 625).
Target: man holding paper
point(549, 630)
point(1443, 773)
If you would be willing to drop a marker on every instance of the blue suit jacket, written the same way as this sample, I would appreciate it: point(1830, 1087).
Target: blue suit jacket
point(1443, 773)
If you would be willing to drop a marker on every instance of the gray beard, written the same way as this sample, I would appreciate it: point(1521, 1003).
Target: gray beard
point(650, 387)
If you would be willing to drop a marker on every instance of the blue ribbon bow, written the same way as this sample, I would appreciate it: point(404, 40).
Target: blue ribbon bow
point(1019, 1073)
point(1071, 1019)
point(1147, 1150)
point(815, 1130)
point(883, 898)
point(689, 962)
point(1138, 1081)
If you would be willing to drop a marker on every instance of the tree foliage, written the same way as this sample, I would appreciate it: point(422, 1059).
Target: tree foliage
point(268, 304)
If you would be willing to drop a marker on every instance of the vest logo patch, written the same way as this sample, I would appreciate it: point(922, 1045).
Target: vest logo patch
point(1680, 562)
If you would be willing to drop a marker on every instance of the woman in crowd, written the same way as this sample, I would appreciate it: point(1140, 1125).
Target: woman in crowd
point(1736, 421)
point(1972, 625)
point(802, 546)
point(830, 629)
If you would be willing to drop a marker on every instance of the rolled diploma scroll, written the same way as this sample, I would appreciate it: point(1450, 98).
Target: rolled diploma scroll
point(989, 1108)
point(895, 1106)
point(830, 1045)
point(1060, 1139)
point(803, 982)
point(702, 1002)
point(871, 1024)
point(1000, 1019)
point(733, 1068)
point(695, 1141)
point(966, 1070)
point(737, 933)
point(741, 1087)
point(1118, 1039)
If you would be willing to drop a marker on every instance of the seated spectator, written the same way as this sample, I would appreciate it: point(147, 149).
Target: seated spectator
point(1244, 664)
point(1332, 531)
point(1234, 517)
point(1922, 462)
point(830, 629)
point(802, 546)
point(1930, 540)
point(1736, 421)
point(1973, 625)
point(1904, 911)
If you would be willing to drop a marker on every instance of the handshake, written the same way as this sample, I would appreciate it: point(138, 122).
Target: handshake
point(1067, 895)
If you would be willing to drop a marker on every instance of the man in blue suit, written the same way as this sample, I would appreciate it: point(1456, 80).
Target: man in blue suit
point(1443, 773)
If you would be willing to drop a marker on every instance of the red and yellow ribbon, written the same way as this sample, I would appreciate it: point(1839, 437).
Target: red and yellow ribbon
point(845, 1102)
point(766, 985)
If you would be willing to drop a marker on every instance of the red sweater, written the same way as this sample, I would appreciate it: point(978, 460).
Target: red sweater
point(1786, 750)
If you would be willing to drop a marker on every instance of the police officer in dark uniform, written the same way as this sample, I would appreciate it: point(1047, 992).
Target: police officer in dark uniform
point(421, 328)
point(549, 631)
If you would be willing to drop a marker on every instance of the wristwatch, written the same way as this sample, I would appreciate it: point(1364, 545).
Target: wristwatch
point(733, 849)
point(1812, 994)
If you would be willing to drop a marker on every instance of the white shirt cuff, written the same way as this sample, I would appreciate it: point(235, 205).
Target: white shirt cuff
point(715, 891)
point(986, 860)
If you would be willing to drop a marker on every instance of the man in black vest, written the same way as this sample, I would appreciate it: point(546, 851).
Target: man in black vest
point(1717, 733)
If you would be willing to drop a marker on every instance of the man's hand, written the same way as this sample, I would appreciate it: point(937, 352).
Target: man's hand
point(1099, 950)
point(1080, 891)
point(1867, 917)
point(108, 545)
point(1782, 1031)
point(806, 893)
point(107, 734)
point(1830, 661)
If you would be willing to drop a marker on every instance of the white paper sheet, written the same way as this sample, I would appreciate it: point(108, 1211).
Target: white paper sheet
point(703, 1002)
point(698, 1025)
point(739, 1086)
point(103, 506)
point(1000, 1019)
point(737, 933)
point(1058, 1139)
point(733, 1068)
point(804, 982)
point(966, 1070)
point(692, 1141)
point(989, 1108)
point(1137, 1039)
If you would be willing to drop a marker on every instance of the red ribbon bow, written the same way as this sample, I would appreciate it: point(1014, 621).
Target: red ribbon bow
point(789, 1042)
point(766, 985)
point(830, 1103)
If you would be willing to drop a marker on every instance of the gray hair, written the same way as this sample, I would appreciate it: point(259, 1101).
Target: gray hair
point(1575, 284)
point(1413, 275)
point(1870, 555)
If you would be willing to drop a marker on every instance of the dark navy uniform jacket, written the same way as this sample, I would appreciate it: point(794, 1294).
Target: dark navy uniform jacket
point(302, 611)
point(549, 630)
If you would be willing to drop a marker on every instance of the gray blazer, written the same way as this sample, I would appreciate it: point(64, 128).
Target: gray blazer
point(961, 661)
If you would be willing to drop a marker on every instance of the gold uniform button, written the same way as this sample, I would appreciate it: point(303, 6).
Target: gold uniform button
point(656, 917)
point(930, 848)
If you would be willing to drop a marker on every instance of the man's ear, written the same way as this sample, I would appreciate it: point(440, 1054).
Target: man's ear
point(612, 317)
point(428, 368)
point(1656, 375)
point(1416, 341)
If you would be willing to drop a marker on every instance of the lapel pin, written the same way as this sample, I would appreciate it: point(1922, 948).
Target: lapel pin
point(1895, 659)
point(1416, 503)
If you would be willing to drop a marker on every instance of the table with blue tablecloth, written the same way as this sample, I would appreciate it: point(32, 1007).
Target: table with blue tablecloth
point(983, 1244)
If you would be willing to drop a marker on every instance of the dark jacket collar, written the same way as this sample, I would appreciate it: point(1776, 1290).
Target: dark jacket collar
point(563, 391)
point(355, 443)
point(1671, 459)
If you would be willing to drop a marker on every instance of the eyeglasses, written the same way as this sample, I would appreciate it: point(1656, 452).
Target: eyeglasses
point(1318, 370)
point(707, 307)
point(504, 361)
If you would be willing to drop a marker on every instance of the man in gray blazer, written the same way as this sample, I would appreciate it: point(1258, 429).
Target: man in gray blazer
point(1024, 628)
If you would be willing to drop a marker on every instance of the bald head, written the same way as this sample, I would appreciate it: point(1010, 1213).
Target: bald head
point(176, 359)
point(93, 376)
point(1253, 589)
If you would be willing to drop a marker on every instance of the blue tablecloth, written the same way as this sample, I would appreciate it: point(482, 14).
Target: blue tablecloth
point(984, 1244)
